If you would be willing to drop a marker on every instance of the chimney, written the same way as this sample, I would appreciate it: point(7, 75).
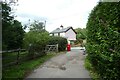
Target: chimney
point(61, 27)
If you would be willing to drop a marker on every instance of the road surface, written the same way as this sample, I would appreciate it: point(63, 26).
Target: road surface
point(69, 65)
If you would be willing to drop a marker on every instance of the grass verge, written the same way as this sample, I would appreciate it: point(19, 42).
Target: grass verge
point(12, 57)
point(93, 73)
point(22, 70)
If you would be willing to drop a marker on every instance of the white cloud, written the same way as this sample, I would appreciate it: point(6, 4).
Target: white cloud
point(56, 12)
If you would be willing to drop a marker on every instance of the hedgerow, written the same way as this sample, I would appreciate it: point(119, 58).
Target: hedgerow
point(35, 42)
point(62, 42)
point(103, 38)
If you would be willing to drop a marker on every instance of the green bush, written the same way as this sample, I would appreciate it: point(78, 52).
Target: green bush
point(103, 38)
point(79, 41)
point(62, 42)
point(36, 42)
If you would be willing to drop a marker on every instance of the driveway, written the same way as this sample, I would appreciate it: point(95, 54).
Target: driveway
point(69, 65)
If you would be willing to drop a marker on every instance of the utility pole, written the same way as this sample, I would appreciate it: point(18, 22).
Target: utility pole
point(45, 24)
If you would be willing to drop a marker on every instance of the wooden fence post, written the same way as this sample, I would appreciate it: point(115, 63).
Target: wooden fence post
point(57, 47)
point(18, 56)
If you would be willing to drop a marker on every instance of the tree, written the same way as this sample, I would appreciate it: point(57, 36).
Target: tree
point(81, 35)
point(12, 32)
point(6, 23)
point(35, 42)
point(37, 26)
point(36, 39)
point(16, 39)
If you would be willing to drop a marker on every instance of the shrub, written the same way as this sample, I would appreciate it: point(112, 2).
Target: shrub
point(103, 38)
point(62, 42)
point(36, 42)
point(79, 41)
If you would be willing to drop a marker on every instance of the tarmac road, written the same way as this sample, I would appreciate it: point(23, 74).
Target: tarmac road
point(69, 65)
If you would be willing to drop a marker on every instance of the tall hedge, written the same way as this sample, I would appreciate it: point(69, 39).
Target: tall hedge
point(103, 39)
point(36, 42)
point(62, 42)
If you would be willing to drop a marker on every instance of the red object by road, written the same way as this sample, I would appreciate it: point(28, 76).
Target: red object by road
point(68, 47)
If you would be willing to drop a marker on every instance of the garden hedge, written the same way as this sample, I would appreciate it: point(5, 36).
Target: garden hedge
point(103, 39)
point(62, 42)
point(35, 42)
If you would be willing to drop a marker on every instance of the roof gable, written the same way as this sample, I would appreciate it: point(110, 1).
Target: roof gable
point(62, 30)
point(72, 29)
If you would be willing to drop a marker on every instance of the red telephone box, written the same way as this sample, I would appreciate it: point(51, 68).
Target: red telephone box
point(68, 47)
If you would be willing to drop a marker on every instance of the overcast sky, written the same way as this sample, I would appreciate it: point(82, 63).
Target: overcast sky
point(56, 12)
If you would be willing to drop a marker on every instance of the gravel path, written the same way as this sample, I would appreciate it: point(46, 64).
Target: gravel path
point(69, 65)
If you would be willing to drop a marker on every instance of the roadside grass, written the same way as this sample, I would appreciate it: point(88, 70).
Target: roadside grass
point(12, 57)
point(93, 73)
point(23, 69)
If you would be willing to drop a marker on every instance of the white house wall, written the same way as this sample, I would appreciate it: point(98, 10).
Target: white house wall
point(55, 34)
point(70, 35)
point(62, 34)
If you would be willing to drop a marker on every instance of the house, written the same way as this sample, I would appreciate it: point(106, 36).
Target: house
point(68, 33)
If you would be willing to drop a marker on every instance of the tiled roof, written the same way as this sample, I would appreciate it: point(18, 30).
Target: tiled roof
point(61, 30)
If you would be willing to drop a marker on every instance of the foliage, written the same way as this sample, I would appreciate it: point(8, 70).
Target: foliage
point(79, 41)
point(20, 71)
point(11, 57)
point(93, 73)
point(103, 38)
point(37, 26)
point(16, 39)
point(12, 32)
point(62, 42)
point(81, 35)
point(36, 41)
